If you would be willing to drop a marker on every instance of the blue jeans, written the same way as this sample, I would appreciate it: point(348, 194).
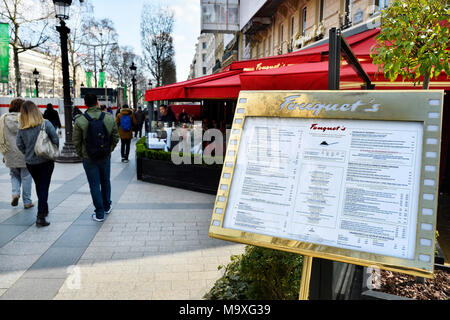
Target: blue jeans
point(42, 176)
point(98, 174)
point(21, 177)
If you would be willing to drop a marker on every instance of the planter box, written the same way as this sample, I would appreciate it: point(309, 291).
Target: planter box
point(191, 177)
point(368, 293)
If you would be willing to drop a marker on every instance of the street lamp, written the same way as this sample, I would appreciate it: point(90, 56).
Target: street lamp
point(150, 110)
point(36, 81)
point(133, 69)
point(68, 154)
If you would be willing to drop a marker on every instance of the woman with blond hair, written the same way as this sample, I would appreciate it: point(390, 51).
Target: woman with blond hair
point(13, 158)
point(31, 122)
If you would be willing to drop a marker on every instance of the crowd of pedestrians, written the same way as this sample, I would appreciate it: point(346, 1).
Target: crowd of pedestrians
point(25, 132)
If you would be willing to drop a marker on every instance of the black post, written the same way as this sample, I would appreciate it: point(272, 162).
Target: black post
point(134, 92)
point(68, 154)
point(36, 83)
point(322, 272)
point(334, 59)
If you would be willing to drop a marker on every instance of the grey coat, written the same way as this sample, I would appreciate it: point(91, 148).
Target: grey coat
point(26, 140)
point(13, 157)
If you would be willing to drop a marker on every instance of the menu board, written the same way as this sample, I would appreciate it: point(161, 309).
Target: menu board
point(350, 176)
point(351, 184)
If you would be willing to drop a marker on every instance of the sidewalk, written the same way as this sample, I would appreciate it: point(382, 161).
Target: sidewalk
point(154, 245)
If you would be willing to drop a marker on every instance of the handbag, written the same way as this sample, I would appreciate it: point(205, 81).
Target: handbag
point(44, 147)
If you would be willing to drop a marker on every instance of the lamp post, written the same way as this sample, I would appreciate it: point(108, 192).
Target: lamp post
point(150, 109)
point(36, 81)
point(68, 154)
point(133, 69)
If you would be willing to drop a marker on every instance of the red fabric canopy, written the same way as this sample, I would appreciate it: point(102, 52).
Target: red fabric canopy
point(224, 88)
point(301, 70)
point(176, 91)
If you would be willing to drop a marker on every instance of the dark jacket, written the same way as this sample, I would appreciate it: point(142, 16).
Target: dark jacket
point(26, 140)
point(80, 129)
point(140, 116)
point(53, 116)
point(126, 134)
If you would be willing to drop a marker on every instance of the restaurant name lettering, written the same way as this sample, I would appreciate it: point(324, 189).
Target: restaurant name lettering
point(290, 103)
point(259, 66)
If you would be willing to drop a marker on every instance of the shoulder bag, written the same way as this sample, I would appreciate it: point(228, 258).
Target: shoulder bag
point(44, 147)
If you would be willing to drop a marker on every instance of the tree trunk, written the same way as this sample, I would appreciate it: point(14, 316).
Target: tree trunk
point(426, 81)
point(17, 72)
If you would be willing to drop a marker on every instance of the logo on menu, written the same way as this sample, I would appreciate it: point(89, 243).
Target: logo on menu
point(316, 127)
point(291, 103)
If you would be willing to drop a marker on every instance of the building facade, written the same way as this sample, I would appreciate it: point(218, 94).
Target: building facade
point(277, 27)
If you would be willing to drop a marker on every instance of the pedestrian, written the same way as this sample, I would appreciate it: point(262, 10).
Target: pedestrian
point(13, 158)
point(52, 115)
point(76, 112)
point(125, 120)
point(140, 118)
point(95, 137)
point(31, 122)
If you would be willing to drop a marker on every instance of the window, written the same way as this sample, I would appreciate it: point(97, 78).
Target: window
point(204, 57)
point(347, 18)
point(281, 39)
point(270, 45)
point(321, 9)
point(292, 27)
point(204, 70)
point(381, 4)
point(204, 45)
point(303, 27)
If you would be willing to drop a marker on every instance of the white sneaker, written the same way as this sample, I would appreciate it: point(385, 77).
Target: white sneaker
point(109, 211)
point(94, 217)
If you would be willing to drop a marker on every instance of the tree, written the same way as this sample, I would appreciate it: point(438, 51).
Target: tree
point(414, 40)
point(157, 42)
point(121, 60)
point(28, 21)
point(101, 39)
point(79, 13)
point(169, 72)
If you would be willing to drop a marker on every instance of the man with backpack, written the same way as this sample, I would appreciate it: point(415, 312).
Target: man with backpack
point(95, 135)
point(126, 121)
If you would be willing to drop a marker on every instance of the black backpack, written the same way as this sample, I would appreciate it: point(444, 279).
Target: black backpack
point(98, 140)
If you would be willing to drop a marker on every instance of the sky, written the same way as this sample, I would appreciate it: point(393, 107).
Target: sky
point(126, 15)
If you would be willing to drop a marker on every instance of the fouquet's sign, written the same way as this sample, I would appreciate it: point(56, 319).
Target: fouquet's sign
point(292, 103)
point(350, 176)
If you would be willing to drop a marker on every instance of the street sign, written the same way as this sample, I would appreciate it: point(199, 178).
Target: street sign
point(350, 176)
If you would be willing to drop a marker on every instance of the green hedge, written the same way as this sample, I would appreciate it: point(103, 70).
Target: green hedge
point(143, 152)
point(259, 274)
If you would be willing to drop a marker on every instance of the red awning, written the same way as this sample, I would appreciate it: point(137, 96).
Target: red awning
point(349, 79)
point(302, 70)
point(176, 91)
point(224, 88)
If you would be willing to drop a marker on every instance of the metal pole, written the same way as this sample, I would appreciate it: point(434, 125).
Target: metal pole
point(37, 88)
point(68, 154)
point(134, 93)
point(95, 67)
point(334, 59)
point(306, 278)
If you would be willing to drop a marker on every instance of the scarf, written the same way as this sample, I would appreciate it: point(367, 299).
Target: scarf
point(3, 143)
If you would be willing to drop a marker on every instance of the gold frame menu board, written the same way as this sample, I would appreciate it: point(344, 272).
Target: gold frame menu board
point(350, 176)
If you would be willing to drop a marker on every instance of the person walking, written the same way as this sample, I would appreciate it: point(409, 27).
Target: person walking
point(95, 136)
point(140, 118)
point(52, 115)
point(13, 158)
point(126, 120)
point(31, 122)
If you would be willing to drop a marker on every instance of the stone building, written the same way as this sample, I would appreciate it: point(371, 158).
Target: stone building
point(276, 27)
